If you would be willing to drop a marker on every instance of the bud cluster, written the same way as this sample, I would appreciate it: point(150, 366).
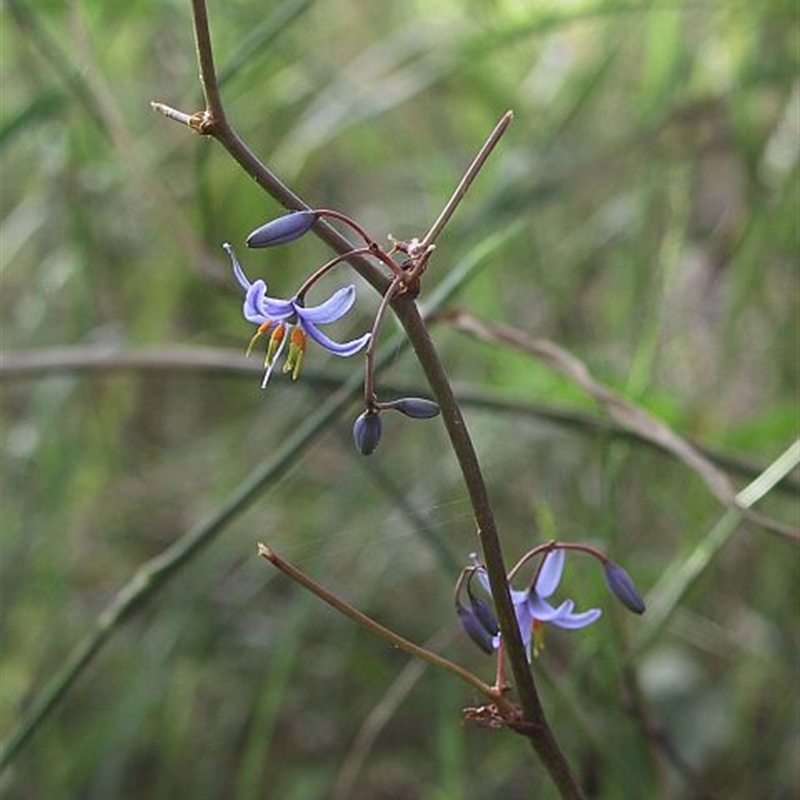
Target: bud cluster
point(476, 617)
point(367, 428)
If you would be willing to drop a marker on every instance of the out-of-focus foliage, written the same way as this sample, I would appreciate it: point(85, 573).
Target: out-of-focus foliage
point(652, 170)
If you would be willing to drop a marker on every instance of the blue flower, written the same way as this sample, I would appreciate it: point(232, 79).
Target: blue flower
point(533, 611)
point(293, 322)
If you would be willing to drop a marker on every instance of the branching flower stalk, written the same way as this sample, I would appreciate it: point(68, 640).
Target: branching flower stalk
point(369, 370)
point(213, 122)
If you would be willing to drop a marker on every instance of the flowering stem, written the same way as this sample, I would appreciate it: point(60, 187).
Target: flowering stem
point(372, 249)
point(547, 547)
point(369, 377)
point(213, 122)
point(205, 60)
point(500, 683)
point(326, 268)
point(388, 635)
point(351, 223)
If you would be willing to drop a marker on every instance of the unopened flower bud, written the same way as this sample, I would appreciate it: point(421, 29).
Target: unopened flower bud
point(416, 407)
point(623, 588)
point(367, 432)
point(482, 609)
point(484, 613)
point(474, 629)
point(283, 229)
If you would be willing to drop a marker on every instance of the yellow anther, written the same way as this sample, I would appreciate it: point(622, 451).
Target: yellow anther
point(299, 338)
point(275, 342)
point(297, 350)
point(260, 331)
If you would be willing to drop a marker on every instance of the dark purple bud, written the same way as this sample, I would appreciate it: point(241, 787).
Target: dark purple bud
point(416, 407)
point(482, 609)
point(623, 588)
point(484, 613)
point(367, 432)
point(283, 229)
point(474, 629)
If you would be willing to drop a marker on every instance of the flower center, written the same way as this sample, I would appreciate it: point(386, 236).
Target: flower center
point(281, 333)
point(260, 331)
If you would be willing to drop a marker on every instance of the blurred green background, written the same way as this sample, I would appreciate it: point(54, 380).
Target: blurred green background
point(641, 211)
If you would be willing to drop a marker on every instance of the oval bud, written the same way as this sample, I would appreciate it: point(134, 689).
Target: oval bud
point(283, 229)
point(367, 432)
point(623, 588)
point(485, 615)
point(474, 629)
point(416, 407)
point(483, 611)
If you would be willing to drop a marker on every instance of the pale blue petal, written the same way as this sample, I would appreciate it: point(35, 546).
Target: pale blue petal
point(277, 310)
point(542, 610)
point(517, 598)
point(525, 625)
point(344, 349)
point(550, 573)
point(332, 309)
point(253, 300)
point(574, 621)
point(237, 267)
point(258, 307)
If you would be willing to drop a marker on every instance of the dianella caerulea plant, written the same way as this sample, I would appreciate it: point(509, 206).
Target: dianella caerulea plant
point(505, 622)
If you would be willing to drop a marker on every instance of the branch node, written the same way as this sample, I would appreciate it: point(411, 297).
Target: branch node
point(202, 122)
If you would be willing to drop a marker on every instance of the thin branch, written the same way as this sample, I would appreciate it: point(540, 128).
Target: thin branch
point(621, 410)
point(16, 365)
point(205, 60)
point(466, 181)
point(381, 631)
